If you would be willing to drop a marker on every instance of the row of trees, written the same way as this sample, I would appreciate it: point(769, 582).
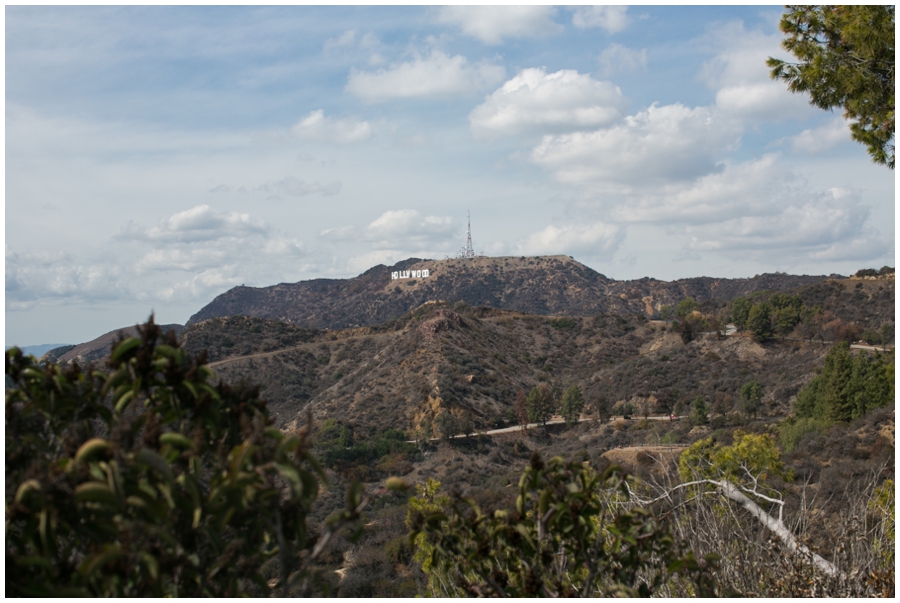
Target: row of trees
point(848, 386)
point(780, 315)
point(542, 402)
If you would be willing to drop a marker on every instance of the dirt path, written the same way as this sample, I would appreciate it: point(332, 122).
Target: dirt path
point(257, 355)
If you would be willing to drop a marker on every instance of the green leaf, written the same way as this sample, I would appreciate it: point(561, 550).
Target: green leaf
point(176, 439)
point(95, 492)
point(124, 348)
point(151, 459)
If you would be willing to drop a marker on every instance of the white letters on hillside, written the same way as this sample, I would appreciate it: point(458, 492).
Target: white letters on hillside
point(410, 274)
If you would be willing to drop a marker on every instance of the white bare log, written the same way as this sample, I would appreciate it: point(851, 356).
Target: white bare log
point(774, 525)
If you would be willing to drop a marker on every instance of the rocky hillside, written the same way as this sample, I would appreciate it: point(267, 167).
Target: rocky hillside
point(552, 285)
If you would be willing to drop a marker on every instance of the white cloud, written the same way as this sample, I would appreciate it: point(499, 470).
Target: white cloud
point(660, 144)
point(190, 256)
point(200, 223)
point(536, 101)
point(598, 240)
point(754, 187)
point(407, 229)
point(611, 18)
point(616, 58)
point(740, 75)
point(182, 259)
point(315, 126)
point(298, 188)
point(402, 231)
point(345, 39)
point(493, 24)
point(826, 226)
point(55, 275)
point(434, 76)
point(810, 142)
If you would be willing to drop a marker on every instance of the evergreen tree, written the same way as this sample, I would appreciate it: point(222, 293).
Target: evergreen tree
point(848, 386)
point(700, 412)
point(846, 56)
point(751, 398)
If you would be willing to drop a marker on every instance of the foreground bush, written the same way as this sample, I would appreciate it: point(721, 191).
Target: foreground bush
point(150, 480)
point(571, 533)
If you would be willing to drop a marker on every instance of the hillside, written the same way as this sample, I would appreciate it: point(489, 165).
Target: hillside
point(474, 360)
point(550, 286)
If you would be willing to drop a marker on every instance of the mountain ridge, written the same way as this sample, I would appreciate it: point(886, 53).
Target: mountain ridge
point(544, 285)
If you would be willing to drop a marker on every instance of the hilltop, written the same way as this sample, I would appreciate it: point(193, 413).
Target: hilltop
point(548, 285)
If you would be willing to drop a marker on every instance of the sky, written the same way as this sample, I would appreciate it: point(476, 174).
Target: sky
point(158, 156)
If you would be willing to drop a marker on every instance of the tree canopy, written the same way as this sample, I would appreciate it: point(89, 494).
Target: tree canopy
point(846, 59)
point(572, 404)
point(540, 404)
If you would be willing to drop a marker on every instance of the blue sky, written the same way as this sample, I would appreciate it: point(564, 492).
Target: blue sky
point(158, 156)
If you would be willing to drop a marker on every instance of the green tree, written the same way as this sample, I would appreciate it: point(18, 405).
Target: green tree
point(688, 328)
point(751, 398)
point(447, 424)
point(600, 406)
point(750, 457)
point(699, 411)
point(540, 404)
point(759, 321)
point(466, 423)
point(848, 386)
point(569, 534)
point(846, 59)
point(572, 404)
point(346, 437)
point(740, 312)
point(152, 480)
point(686, 307)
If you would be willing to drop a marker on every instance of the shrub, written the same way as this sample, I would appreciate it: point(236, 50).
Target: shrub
point(152, 481)
point(793, 430)
point(568, 535)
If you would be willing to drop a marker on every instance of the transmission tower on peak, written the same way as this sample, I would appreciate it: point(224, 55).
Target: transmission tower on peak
point(468, 251)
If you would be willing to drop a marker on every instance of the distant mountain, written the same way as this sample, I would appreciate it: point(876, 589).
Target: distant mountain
point(98, 348)
point(548, 286)
point(39, 350)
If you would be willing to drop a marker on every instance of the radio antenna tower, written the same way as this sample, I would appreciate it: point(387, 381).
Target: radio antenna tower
point(470, 251)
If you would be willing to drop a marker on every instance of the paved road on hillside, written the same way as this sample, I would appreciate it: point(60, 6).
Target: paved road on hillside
point(555, 421)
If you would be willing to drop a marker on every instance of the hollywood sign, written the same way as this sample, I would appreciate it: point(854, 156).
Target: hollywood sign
point(409, 274)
